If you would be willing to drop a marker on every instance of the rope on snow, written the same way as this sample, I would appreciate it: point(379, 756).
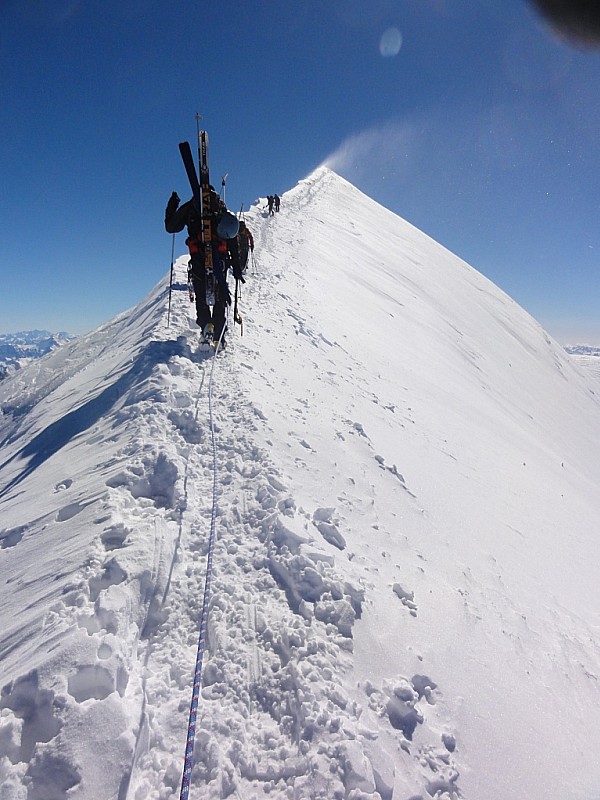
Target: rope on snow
point(191, 733)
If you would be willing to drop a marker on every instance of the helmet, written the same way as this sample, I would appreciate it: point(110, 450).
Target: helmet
point(228, 226)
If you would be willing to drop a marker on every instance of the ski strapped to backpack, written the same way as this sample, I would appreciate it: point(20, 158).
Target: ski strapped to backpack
point(207, 230)
point(202, 198)
point(190, 168)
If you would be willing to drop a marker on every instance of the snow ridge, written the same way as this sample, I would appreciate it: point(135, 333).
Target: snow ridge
point(405, 551)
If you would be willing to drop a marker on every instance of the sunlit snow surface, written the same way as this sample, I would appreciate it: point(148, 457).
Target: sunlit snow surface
point(406, 597)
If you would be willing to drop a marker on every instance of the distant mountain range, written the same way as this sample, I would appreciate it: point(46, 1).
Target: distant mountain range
point(582, 350)
point(18, 349)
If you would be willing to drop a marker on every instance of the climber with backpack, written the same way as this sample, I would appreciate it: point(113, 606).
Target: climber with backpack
point(246, 244)
point(224, 240)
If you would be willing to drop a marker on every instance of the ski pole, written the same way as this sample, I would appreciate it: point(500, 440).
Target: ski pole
point(191, 292)
point(171, 281)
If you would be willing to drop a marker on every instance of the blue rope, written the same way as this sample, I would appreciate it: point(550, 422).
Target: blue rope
point(191, 734)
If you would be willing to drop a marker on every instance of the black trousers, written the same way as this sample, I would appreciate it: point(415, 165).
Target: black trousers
point(204, 313)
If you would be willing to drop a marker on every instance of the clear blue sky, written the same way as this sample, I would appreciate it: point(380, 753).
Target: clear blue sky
point(482, 130)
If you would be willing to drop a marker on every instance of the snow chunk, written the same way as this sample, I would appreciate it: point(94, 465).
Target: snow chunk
point(331, 534)
point(406, 597)
point(337, 612)
point(154, 478)
point(10, 735)
point(358, 773)
point(327, 527)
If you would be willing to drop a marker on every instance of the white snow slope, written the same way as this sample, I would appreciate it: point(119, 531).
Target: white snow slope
point(405, 600)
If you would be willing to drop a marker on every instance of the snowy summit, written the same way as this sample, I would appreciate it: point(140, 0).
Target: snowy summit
point(401, 470)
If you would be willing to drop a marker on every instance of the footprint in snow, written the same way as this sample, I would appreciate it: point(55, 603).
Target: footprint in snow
point(12, 536)
point(407, 598)
point(394, 471)
point(66, 484)
point(70, 511)
point(356, 427)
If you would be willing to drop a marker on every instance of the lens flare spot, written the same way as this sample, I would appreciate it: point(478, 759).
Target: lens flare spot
point(390, 43)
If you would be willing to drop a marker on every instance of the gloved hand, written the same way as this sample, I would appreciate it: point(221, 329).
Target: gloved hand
point(172, 207)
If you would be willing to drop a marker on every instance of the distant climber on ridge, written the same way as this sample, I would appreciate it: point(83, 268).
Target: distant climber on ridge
point(246, 244)
point(277, 201)
point(225, 225)
point(270, 201)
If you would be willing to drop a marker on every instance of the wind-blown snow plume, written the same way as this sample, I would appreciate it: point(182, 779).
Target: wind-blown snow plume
point(384, 150)
point(405, 581)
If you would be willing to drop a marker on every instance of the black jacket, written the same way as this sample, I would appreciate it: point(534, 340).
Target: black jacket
point(178, 217)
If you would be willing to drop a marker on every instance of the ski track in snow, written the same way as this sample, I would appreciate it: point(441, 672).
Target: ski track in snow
point(111, 438)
